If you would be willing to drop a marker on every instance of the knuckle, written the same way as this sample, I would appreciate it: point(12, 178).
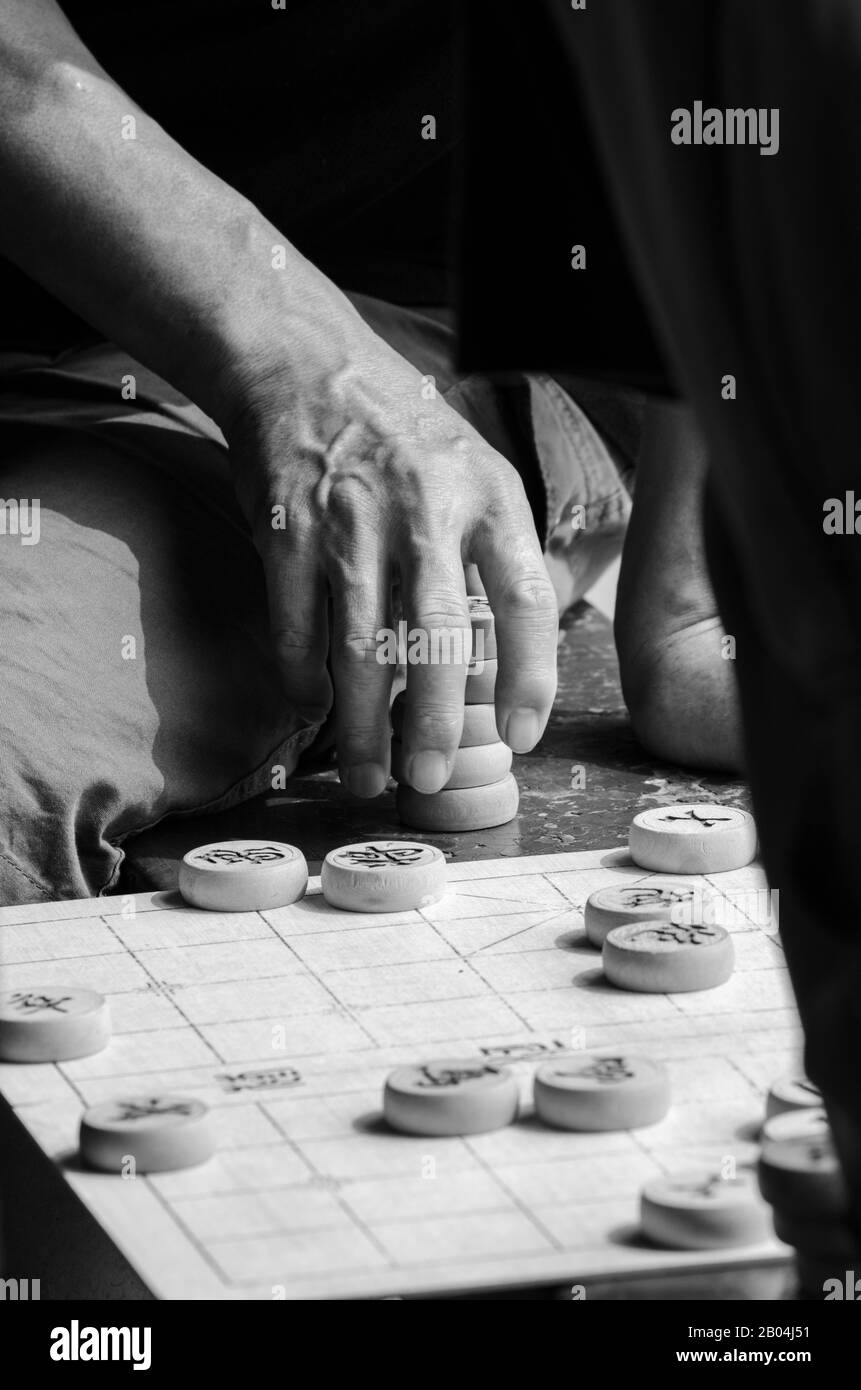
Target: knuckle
point(349, 496)
point(530, 594)
point(358, 648)
point(440, 613)
point(440, 727)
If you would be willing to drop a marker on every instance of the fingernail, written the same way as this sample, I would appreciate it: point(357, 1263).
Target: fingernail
point(523, 730)
point(366, 779)
point(427, 772)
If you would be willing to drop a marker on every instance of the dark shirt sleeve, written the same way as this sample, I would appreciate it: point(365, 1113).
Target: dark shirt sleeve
point(531, 189)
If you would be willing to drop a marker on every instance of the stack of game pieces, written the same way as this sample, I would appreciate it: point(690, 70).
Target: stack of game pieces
point(481, 791)
point(650, 900)
point(795, 1109)
point(790, 1093)
point(800, 1176)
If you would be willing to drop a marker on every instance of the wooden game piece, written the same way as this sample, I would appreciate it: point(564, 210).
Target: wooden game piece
point(601, 1093)
point(459, 809)
point(383, 876)
point(160, 1133)
point(52, 1023)
point(472, 767)
point(479, 725)
point(611, 907)
point(704, 1211)
point(797, 1124)
point(243, 875)
point(803, 1176)
point(450, 1098)
point(792, 1093)
point(480, 682)
point(667, 957)
point(692, 839)
point(483, 626)
point(479, 722)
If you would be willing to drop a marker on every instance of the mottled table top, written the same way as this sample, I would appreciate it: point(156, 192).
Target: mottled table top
point(578, 789)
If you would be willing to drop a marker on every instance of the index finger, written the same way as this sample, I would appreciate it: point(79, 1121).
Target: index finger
point(523, 601)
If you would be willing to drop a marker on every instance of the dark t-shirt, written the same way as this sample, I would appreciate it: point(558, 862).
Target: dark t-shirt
point(314, 112)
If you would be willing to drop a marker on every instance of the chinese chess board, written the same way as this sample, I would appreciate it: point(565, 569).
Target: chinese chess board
point(286, 1023)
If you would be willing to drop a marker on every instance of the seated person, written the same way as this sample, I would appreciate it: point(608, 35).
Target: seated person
point(230, 424)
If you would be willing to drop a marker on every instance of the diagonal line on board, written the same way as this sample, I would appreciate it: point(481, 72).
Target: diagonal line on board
point(492, 897)
point(512, 935)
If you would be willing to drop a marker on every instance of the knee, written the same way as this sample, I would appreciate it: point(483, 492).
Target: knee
point(682, 696)
point(54, 817)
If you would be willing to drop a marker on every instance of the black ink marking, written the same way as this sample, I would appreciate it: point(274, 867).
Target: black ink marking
point(438, 1077)
point(274, 1078)
point(30, 1003)
point(606, 1070)
point(254, 855)
point(530, 1049)
point(146, 1109)
point(677, 932)
point(375, 856)
point(707, 821)
point(647, 897)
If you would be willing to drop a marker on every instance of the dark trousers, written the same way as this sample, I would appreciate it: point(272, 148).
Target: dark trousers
point(751, 266)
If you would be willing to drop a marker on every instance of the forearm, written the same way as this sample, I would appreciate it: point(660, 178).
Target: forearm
point(133, 234)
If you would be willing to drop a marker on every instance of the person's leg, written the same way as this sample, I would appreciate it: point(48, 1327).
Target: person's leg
point(135, 678)
point(676, 661)
point(751, 265)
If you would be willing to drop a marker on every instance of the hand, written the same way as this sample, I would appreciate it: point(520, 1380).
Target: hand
point(353, 482)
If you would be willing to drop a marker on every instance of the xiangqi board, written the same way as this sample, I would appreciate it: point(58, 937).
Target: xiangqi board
point(287, 1022)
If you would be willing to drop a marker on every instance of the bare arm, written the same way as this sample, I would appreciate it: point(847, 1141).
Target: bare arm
point(133, 233)
point(321, 416)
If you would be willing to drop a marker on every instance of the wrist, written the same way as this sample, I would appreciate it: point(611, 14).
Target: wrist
point(281, 320)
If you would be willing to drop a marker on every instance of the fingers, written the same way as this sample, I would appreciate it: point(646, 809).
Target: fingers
point(438, 652)
point(363, 656)
point(524, 607)
point(298, 619)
